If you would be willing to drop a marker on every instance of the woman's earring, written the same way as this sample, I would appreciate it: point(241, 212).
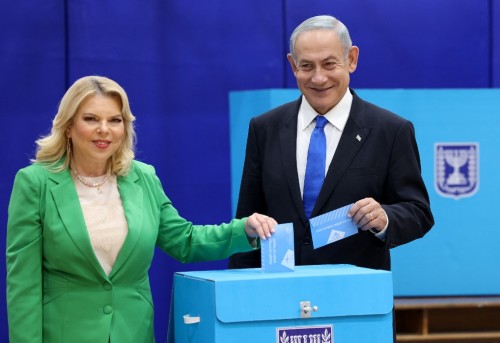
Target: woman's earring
point(68, 147)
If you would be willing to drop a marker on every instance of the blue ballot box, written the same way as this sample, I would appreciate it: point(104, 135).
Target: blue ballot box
point(313, 304)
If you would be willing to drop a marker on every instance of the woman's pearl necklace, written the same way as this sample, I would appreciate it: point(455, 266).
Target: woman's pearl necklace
point(87, 183)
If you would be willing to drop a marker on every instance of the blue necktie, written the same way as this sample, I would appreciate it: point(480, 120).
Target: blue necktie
point(315, 168)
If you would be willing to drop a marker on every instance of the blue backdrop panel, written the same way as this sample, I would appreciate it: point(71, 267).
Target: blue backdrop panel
point(31, 81)
point(455, 257)
point(409, 43)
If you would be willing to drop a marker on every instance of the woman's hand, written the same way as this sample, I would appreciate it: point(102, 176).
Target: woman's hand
point(259, 225)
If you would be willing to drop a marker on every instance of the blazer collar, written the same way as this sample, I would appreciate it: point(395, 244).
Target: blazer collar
point(68, 204)
point(354, 136)
point(288, 141)
point(70, 211)
point(132, 196)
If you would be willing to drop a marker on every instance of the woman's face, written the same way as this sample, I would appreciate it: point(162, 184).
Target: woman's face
point(97, 132)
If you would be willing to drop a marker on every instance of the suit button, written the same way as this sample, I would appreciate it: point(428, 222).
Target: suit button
point(107, 286)
point(107, 309)
point(306, 241)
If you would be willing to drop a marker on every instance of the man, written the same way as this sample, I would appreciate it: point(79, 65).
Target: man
point(371, 159)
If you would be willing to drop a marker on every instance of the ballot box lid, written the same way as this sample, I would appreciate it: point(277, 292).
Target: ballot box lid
point(336, 290)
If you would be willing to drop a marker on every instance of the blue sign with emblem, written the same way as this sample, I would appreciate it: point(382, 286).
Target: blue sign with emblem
point(457, 256)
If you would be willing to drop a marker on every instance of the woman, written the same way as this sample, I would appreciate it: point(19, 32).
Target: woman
point(83, 223)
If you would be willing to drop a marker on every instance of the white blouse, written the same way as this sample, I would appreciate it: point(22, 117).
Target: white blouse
point(105, 218)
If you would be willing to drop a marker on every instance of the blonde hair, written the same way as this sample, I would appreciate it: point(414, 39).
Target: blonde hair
point(55, 149)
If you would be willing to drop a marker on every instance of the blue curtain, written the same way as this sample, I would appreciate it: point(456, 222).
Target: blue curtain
point(178, 59)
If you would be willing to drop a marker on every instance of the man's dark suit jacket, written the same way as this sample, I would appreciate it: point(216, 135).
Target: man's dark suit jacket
point(377, 157)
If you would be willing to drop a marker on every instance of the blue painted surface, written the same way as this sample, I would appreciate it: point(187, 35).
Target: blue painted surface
point(456, 256)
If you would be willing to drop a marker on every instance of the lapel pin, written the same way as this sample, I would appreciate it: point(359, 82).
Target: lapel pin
point(358, 138)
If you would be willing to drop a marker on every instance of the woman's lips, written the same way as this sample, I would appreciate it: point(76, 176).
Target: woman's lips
point(102, 144)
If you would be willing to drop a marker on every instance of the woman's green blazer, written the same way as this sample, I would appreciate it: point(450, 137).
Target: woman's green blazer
point(56, 288)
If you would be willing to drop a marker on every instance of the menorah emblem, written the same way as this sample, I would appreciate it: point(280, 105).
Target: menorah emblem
point(457, 159)
point(456, 169)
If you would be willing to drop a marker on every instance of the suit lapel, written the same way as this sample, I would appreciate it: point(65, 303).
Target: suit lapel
point(133, 202)
point(352, 139)
point(69, 208)
point(288, 142)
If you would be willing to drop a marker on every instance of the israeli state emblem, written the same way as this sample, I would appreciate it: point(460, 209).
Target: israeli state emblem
point(456, 169)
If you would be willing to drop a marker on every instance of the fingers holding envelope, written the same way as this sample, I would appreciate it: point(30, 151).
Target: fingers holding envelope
point(259, 225)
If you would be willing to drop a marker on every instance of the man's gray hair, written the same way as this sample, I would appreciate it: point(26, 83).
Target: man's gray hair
point(322, 22)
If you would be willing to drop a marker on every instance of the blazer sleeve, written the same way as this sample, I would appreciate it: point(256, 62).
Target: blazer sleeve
point(193, 243)
point(24, 260)
point(407, 201)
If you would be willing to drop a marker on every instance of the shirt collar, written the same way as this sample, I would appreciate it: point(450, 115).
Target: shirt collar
point(337, 116)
